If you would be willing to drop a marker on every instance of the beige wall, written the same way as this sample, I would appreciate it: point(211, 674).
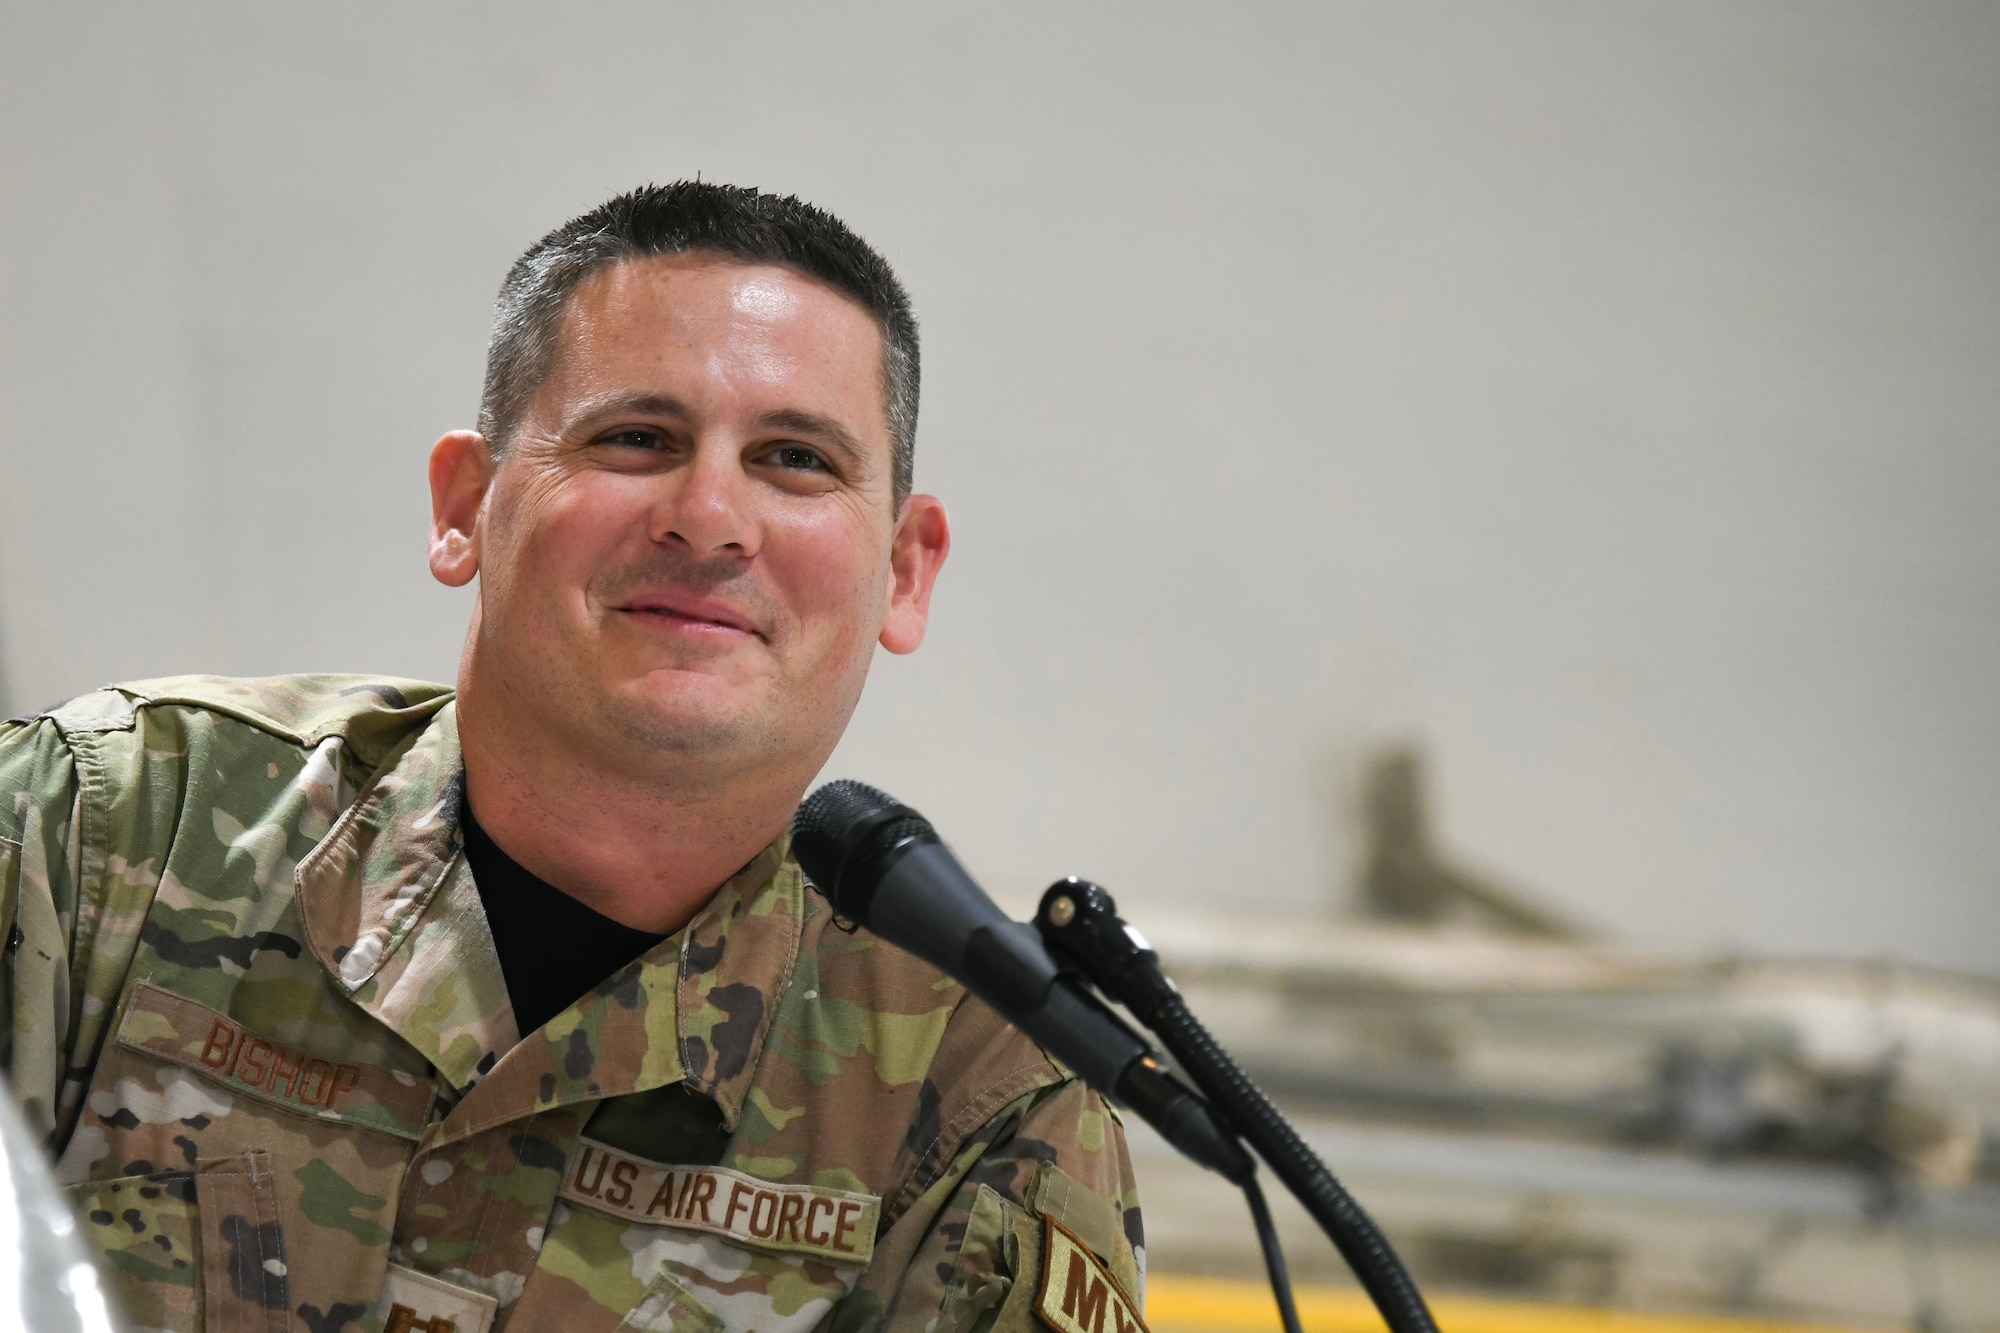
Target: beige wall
point(1605, 393)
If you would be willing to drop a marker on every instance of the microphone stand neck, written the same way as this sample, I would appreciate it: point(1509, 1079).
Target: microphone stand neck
point(1080, 924)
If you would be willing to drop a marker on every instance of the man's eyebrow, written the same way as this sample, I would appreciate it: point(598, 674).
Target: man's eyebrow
point(822, 428)
point(617, 401)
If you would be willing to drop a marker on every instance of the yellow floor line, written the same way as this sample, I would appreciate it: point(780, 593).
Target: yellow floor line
point(1215, 1305)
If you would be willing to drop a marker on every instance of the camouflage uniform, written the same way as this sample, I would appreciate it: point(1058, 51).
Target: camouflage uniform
point(251, 997)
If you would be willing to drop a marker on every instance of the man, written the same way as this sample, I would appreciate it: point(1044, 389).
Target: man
point(355, 1003)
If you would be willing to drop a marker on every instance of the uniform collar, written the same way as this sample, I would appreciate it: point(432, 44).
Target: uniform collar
point(392, 914)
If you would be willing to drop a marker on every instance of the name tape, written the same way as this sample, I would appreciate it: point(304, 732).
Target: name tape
point(807, 1219)
point(196, 1037)
point(1078, 1293)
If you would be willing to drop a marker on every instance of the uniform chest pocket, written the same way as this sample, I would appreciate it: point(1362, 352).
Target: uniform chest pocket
point(200, 1249)
point(234, 1182)
point(644, 1245)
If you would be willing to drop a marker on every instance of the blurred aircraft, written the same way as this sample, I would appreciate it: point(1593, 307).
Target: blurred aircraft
point(1452, 999)
point(1446, 1006)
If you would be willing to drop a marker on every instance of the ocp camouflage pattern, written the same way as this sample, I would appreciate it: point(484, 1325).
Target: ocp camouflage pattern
point(250, 996)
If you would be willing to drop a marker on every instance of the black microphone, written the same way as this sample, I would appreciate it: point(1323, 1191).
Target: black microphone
point(883, 866)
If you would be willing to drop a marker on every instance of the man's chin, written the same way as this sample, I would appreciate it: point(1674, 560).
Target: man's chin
point(683, 718)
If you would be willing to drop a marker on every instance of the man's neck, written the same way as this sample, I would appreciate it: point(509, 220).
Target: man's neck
point(648, 852)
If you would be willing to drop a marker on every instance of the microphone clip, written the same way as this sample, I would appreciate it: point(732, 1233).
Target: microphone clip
point(1079, 923)
point(1082, 931)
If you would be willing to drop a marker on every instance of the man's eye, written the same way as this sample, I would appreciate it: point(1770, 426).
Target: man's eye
point(797, 456)
point(635, 438)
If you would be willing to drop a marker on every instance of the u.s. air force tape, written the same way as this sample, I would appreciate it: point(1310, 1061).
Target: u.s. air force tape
point(804, 1219)
point(1078, 1293)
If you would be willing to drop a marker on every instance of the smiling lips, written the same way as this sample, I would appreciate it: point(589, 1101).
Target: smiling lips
point(686, 611)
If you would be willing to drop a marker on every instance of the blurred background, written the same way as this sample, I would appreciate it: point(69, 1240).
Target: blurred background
point(1475, 521)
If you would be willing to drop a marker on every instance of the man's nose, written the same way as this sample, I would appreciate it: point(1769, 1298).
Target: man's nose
point(708, 508)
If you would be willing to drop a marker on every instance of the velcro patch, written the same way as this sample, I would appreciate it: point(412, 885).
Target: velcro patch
point(1078, 1293)
point(194, 1036)
point(413, 1302)
point(803, 1219)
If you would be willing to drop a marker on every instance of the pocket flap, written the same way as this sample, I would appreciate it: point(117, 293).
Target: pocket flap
point(194, 1036)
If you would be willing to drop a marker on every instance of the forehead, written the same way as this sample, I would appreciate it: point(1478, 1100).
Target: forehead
point(752, 328)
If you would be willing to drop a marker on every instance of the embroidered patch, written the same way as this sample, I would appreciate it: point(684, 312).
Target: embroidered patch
point(194, 1036)
point(1078, 1293)
point(413, 1302)
point(804, 1219)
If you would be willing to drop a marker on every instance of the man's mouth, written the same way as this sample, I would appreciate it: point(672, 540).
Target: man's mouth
point(698, 613)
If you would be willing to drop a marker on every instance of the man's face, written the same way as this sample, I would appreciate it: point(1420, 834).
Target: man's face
point(691, 542)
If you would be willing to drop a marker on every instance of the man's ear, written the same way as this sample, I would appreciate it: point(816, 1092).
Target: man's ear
point(916, 554)
point(461, 470)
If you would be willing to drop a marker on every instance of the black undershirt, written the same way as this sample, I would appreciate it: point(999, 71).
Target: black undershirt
point(552, 948)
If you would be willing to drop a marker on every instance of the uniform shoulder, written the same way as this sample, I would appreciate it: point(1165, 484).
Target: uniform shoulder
point(970, 1054)
point(370, 713)
point(891, 978)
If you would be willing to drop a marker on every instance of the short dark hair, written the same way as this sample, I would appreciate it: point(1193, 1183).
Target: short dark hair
point(685, 216)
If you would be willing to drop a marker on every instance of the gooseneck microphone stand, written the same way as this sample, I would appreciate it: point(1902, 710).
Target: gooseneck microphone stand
point(882, 866)
point(1080, 924)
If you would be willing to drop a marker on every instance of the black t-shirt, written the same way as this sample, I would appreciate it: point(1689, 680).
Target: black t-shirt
point(552, 948)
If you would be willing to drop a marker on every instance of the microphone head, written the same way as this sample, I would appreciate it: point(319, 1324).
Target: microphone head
point(827, 814)
point(841, 836)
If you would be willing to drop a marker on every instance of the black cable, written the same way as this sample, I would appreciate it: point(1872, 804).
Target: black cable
point(1352, 1231)
point(1274, 1257)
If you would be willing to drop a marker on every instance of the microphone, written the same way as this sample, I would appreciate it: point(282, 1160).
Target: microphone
point(883, 866)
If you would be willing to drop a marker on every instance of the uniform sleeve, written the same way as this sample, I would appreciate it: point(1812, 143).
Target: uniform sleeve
point(1055, 1157)
point(40, 801)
